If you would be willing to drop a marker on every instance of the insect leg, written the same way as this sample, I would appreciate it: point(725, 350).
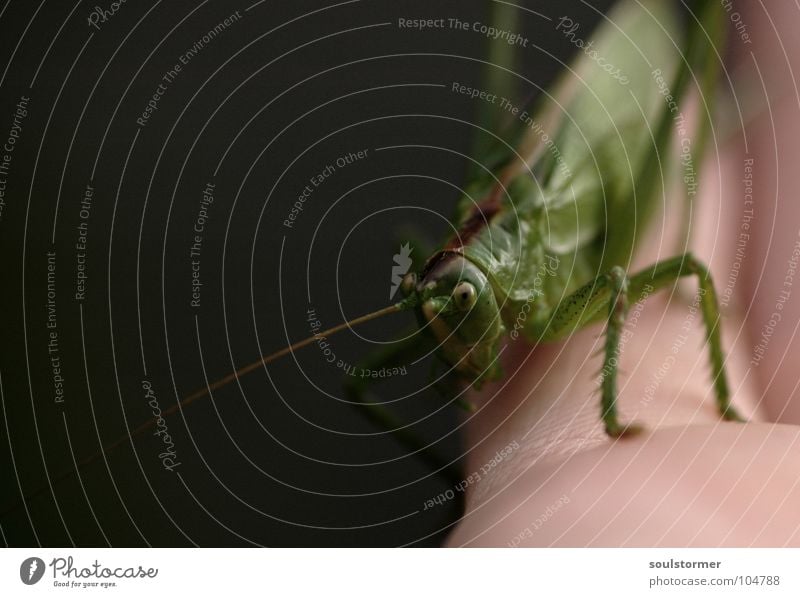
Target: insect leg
point(397, 354)
point(585, 307)
point(604, 298)
point(617, 310)
point(665, 273)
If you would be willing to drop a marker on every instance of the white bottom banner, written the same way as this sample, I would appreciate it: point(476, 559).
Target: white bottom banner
point(384, 572)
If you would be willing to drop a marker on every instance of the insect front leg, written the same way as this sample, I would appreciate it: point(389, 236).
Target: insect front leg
point(397, 354)
point(614, 290)
point(604, 298)
point(618, 309)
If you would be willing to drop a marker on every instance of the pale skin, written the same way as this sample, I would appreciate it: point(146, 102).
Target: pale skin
point(689, 479)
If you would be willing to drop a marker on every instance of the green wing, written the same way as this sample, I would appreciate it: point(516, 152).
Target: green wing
point(600, 123)
point(604, 125)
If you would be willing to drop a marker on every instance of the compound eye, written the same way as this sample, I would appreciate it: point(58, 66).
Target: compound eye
point(464, 296)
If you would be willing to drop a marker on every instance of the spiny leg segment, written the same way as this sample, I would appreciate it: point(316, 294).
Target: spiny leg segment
point(607, 298)
point(665, 273)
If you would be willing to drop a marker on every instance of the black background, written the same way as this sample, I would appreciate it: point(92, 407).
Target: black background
point(278, 459)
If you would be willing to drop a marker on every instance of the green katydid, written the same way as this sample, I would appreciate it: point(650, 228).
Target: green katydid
point(553, 215)
point(571, 202)
point(579, 203)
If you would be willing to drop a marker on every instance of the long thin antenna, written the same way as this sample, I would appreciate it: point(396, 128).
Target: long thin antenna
point(281, 353)
point(223, 381)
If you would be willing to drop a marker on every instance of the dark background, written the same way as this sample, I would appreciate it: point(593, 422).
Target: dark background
point(278, 459)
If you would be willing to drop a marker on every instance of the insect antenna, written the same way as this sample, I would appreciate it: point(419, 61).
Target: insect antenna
point(223, 381)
